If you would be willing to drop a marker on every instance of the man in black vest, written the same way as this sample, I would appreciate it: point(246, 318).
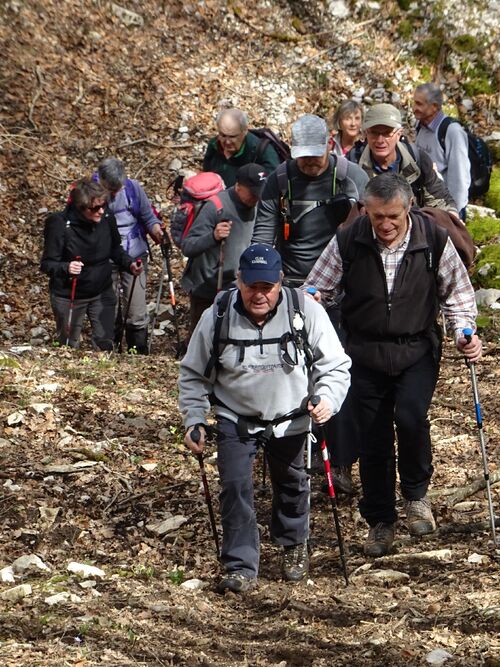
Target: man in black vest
point(396, 270)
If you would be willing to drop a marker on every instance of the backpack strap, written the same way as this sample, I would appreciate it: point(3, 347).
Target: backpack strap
point(220, 319)
point(340, 171)
point(443, 128)
point(261, 149)
point(437, 238)
point(295, 300)
point(133, 199)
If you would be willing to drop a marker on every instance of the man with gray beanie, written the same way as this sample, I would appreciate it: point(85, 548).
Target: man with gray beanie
point(303, 202)
point(386, 151)
point(306, 198)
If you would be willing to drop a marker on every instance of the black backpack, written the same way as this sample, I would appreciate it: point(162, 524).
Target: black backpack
point(479, 157)
point(268, 137)
point(297, 334)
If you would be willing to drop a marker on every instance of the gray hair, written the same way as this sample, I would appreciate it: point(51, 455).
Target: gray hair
point(237, 115)
point(112, 172)
point(347, 107)
point(432, 93)
point(85, 192)
point(387, 187)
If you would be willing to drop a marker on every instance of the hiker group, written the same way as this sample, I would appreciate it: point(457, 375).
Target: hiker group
point(315, 283)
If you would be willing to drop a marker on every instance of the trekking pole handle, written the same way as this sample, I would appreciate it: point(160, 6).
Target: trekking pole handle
point(468, 333)
point(195, 434)
point(315, 400)
point(311, 290)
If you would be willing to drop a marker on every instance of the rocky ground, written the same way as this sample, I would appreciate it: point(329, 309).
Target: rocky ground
point(93, 470)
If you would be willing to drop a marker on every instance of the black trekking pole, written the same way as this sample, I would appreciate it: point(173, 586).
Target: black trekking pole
point(125, 317)
point(72, 303)
point(220, 270)
point(479, 420)
point(195, 437)
point(315, 400)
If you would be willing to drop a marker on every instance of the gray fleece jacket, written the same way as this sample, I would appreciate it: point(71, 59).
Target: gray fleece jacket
point(263, 385)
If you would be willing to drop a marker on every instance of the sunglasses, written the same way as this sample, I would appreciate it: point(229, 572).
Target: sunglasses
point(97, 207)
point(387, 134)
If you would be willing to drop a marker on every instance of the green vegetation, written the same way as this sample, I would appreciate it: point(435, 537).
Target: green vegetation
point(8, 362)
point(492, 197)
point(405, 29)
point(88, 390)
point(483, 228)
point(489, 261)
point(464, 44)
point(430, 48)
point(176, 576)
point(404, 4)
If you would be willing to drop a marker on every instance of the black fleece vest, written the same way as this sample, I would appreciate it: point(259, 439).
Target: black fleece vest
point(386, 332)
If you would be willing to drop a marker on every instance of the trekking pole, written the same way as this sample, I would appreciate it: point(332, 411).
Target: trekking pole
point(129, 300)
point(220, 271)
point(72, 302)
point(195, 437)
point(315, 400)
point(479, 420)
point(165, 249)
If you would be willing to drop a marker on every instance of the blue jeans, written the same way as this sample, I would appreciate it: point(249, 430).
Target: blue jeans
point(289, 518)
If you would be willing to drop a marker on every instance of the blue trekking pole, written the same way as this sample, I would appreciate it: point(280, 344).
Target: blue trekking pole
point(479, 420)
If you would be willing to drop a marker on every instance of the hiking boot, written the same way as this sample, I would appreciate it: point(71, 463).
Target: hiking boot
point(342, 480)
point(236, 582)
point(295, 562)
point(419, 517)
point(379, 540)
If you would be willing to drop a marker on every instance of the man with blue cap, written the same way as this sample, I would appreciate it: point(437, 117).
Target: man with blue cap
point(260, 353)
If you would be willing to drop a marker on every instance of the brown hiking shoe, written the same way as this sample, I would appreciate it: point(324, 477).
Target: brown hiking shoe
point(419, 517)
point(295, 562)
point(379, 540)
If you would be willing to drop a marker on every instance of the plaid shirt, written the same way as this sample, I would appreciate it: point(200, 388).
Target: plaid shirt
point(455, 292)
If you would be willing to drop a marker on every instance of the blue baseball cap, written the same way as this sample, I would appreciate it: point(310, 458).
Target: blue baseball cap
point(260, 263)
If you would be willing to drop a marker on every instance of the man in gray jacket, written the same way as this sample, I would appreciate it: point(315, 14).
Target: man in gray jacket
point(261, 382)
point(217, 238)
point(306, 198)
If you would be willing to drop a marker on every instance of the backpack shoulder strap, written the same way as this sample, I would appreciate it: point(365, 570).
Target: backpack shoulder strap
point(295, 301)
point(221, 330)
point(443, 128)
point(340, 171)
point(261, 149)
point(436, 239)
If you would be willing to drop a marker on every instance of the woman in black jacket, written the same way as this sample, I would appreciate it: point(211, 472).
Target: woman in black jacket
point(79, 244)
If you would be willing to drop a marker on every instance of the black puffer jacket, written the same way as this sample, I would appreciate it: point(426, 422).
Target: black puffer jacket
point(69, 235)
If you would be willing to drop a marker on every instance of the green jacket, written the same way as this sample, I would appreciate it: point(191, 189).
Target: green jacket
point(214, 159)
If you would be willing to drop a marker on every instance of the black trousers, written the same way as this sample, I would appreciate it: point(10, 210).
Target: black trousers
point(383, 404)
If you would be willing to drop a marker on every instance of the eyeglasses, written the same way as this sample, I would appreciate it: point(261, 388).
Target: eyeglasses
point(387, 134)
point(97, 207)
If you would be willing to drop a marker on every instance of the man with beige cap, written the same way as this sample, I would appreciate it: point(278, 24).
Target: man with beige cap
point(387, 152)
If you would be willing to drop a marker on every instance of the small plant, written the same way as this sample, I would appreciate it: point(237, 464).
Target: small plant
point(176, 576)
point(88, 390)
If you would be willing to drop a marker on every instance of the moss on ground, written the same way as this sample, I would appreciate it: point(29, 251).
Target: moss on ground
point(483, 228)
point(492, 197)
point(487, 273)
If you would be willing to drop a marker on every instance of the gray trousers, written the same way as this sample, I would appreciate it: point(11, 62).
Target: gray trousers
point(290, 509)
point(100, 310)
point(137, 316)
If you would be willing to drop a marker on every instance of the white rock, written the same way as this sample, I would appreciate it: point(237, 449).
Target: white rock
point(20, 349)
point(338, 8)
point(88, 583)
point(175, 164)
point(477, 558)
point(486, 297)
point(64, 596)
point(41, 408)
point(494, 136)
point(388, 577)
point(468, 104)
point(16, 593)
point(10, 486)
point(126, 16)
point(24, 563)
point(495, 306)
point(484, 270)
point(83, 570)
point(7, 575)
point(49, 386)
point(148, 467)
point(194, 584)
point(168, 525)
point(16, 418)
point(438, 656)
point(37, 332)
